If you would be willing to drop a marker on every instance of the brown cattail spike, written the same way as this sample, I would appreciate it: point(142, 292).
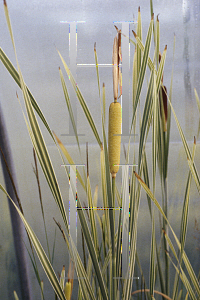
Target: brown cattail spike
point(116, 57)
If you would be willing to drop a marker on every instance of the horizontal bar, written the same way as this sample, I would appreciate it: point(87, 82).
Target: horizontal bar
point(99, 208)
point(72, 22)
point(99, 65)
point(68, 165)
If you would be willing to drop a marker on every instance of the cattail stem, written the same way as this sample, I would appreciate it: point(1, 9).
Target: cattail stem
point(113, 242)
point(113, 195)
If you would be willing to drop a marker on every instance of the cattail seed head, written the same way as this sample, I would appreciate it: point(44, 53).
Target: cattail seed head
point(114, 137)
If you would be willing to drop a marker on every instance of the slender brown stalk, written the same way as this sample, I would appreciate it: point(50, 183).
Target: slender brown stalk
point(148, 290)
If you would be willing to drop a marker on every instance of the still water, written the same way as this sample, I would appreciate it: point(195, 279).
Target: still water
point(38, 31)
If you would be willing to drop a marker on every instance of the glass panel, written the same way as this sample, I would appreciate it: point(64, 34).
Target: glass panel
point(40, 28)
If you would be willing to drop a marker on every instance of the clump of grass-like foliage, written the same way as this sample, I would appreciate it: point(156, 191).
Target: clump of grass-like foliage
point(99, 275)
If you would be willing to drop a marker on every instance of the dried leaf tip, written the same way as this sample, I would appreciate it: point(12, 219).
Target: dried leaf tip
point(165, 47)
point(103, 84)
point(138, 177)
point(194, 140)
point(118, 30)
point(4, 2)
point(95, 46)
point(139, 9)
point(135, 35)
point(160, 56)
point(152, 16)
point(157, 18)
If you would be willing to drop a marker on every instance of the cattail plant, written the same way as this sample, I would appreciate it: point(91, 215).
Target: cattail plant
point(114, 129)
point(100, 278)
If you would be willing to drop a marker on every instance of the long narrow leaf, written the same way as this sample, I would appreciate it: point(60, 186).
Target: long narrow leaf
point(189, 268)
point(142, 69)
point(69, 106)
point(70, 160)
point(82, 101)
point(97, 69)
point(92, 215)
point(84, 282)
point(15, 75)
point(138, 50)
point(37, 138)
point(183, 277)
point(187, 150)
point(91, 248)
point(152, 259)
point(40, 252)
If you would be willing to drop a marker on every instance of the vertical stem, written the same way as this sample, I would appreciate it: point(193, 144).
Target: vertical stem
point(113, 242)
point(113, 198)
point(166, 244)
